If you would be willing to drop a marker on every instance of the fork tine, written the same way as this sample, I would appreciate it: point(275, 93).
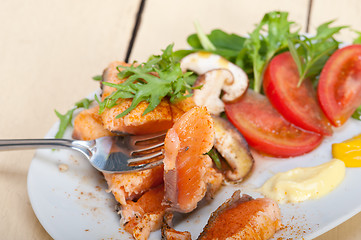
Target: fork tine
point(134, 139)
point(145, 166)
point(141, 148)
point(143, 158)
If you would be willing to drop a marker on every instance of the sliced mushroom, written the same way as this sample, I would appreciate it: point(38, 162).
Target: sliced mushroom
point(212, 83)
point(230, 143)
point(202, 62)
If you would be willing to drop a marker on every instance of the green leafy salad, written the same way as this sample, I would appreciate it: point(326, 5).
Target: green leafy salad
point(161, 76)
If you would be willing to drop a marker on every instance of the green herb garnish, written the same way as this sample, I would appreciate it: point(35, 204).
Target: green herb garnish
point(65, 120)
point(357, 113)
point(263, 44)
point(273, 35)
point(97, 78)
point(205, 42)
point(226, 45)
point(251, 53)
point(357, 40)
point(214, 155)
point(142, 85)
point(311, 53)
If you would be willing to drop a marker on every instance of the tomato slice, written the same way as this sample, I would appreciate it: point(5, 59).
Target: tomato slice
point(299, 105)
point(339, 87)
point(266, 130)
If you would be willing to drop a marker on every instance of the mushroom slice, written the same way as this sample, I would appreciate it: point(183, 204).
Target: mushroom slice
point(212, 83)
point(230, 143)
point(202, 62)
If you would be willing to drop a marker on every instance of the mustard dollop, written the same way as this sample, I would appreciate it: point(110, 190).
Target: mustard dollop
point(348, 151)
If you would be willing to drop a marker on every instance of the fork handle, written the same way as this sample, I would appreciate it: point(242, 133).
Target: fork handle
point(19, 144)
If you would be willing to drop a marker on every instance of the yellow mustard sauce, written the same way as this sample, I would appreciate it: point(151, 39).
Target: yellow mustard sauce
point(223, 63)
point(203, 54)
point(348, 151)
point(302, 184)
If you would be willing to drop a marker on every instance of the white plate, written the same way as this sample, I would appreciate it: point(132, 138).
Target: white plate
point(74, 204)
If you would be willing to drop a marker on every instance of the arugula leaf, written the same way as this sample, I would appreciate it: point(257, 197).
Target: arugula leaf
point(65, 120)
point(97, 78)
point(142, 85)
point(205, 42)
point(179, 54)
point(357, 113)
point(263, 44)
point(226, 45)
point(83, 103)
point(311, 53)
point(253, 53)
point(358, 38)
point(214, 155)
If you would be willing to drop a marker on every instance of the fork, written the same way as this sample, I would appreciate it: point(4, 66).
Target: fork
point(116, 154)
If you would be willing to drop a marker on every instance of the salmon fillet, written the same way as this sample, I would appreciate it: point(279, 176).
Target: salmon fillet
point(169, 233)
point(88, 125)
point(146, 214)
point(243, 218)
point(134, 122)
point(129, 186)
point(187, 171)
point(110, 75)
point(180, 107)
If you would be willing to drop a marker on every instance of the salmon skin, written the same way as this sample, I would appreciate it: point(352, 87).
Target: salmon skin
point(243, 218)
point(187, 171)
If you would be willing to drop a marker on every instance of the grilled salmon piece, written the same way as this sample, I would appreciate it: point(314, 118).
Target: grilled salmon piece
point(110, 74)
point(180, 107)
point(129, 186)
point(134, 122)
point(88, 125)
point(243, 218)
point(169, 233)
point(187, 172)
point(144, 215)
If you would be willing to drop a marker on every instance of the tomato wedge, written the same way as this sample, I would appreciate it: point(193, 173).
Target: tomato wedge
point(299, 105)
point(339, 87)
point(266, 130)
